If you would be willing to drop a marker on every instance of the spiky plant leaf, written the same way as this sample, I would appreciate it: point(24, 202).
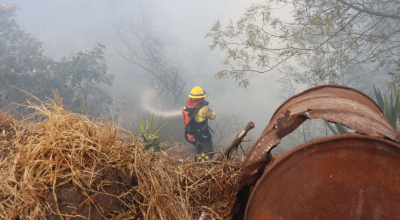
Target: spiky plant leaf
point(390, 108)
point(331, 128)
point(148, 133)
point(342, 129)
point(378, 96)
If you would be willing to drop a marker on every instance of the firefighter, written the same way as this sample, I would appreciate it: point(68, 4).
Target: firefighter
point(195, 117)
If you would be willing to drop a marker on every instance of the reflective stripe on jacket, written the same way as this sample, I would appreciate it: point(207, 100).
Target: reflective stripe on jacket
point(204, 113)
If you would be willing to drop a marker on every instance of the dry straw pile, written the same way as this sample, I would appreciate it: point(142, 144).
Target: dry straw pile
point(66, 166)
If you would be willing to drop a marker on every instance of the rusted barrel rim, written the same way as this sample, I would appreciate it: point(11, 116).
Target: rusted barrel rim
point(325, 86)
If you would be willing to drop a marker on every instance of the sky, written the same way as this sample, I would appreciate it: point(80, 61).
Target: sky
point(68, 26)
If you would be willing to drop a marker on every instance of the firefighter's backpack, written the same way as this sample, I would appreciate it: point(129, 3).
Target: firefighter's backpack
point(188, 120)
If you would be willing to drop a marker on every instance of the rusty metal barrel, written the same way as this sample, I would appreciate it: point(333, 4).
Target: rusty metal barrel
point(346, 176)
point(340, 177)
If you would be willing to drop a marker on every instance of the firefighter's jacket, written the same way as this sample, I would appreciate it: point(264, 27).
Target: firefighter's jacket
point(204, 113)
point(199, 122)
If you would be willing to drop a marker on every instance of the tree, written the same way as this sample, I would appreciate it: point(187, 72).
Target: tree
point(23, 65)
point(81, 78)
point(143, 47)
point(325, 42)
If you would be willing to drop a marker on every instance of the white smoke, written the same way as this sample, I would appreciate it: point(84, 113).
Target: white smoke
point(145, 102)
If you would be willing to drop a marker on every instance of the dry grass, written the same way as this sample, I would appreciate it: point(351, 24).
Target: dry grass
point(180, 151)
point(67, 166)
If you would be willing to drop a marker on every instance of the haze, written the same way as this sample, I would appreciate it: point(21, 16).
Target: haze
point(67, 27)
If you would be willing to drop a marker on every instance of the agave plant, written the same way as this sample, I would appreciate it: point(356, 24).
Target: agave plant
point(148, 132)
point(340, 128)
point(389, 107)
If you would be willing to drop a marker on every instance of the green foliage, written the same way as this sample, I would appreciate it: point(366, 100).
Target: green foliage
point(148, 132)
point(327, 42)
point(23, 65)
point(340, 128)
point(390, 108)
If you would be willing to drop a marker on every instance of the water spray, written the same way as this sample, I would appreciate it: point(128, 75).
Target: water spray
point(145, 103)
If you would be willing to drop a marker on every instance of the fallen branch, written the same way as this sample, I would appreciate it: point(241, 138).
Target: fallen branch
point(238, 139)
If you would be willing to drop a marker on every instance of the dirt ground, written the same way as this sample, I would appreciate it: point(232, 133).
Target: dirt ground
point(72, 199)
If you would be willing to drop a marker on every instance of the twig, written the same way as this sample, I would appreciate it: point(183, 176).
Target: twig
point(238, 139)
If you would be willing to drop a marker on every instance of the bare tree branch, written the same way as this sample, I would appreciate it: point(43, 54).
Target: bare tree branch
point(370, 11)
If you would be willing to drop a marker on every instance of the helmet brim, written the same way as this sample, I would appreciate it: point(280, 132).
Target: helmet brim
point(196, 96)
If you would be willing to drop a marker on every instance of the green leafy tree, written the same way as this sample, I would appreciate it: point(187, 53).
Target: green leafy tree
point(325, 41)
point(23, 65)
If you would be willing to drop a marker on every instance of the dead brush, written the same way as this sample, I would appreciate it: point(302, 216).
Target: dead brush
point(6, 134)
point(179, 150)
point(182, 191)
point(63, 148)
point(68, 166)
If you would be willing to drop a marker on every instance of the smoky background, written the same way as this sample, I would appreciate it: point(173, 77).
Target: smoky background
point(68, 27)
point(177, 28)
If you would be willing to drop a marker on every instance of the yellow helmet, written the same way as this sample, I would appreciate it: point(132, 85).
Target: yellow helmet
point(197, 92)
